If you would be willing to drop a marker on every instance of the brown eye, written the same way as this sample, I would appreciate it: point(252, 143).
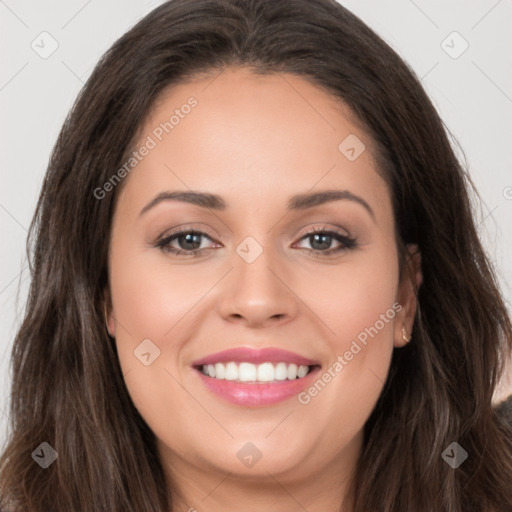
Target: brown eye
point(188, 242)
point(321, 242)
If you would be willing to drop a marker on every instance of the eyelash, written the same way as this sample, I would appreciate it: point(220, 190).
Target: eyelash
point(346, 241)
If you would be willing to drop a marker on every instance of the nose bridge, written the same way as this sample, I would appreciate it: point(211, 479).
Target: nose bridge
point(257, 291)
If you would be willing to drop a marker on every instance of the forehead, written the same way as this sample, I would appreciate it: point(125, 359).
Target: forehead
point(253, 137)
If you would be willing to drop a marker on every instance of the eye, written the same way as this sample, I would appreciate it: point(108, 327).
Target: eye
point(188, 241)
point(321, 239)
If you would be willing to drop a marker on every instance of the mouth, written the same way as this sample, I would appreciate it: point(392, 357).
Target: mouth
point(256, 377)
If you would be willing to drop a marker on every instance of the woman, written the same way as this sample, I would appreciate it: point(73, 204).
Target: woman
point(184, 350)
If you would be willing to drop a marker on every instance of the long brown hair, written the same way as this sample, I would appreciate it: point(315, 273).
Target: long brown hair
point(68, 389)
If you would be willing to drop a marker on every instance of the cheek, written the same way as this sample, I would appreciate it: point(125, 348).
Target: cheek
point(153, 305)
point(157, 300)
point(350, 298)
point(150, 295)
point(357, 304)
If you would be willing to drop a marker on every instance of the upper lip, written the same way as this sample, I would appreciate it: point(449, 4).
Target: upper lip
point(256, 356)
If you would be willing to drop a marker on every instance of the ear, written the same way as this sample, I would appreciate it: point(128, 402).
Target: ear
point(410, 282)
point(109, 313)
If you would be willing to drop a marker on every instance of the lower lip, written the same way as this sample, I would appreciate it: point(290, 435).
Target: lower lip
point(260, 394)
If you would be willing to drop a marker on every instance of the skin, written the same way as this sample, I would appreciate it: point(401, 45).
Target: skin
point(255, 141)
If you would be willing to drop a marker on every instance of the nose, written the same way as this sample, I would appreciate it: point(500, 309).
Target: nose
point(258, 294)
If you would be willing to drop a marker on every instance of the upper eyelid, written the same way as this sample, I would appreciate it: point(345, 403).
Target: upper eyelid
point(324, 229)
point(184, 229)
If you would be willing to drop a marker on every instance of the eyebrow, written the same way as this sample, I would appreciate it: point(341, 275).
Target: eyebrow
point(296, 203)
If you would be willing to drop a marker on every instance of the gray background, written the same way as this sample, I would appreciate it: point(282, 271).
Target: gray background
point(472, 91)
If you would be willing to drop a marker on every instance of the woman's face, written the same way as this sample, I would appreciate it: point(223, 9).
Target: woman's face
point(286, 279)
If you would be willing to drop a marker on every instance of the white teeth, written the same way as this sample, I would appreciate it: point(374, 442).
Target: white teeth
point(281, 372)
point(220, 371)
point(292, 371)
point(231, 371)
point(266, 372)
point(248, 372)
point(302, 371)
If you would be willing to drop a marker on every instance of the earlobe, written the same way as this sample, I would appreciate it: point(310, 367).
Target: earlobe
point(405, 336)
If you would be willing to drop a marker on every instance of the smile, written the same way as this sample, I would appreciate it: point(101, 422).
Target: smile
point(255, 377)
